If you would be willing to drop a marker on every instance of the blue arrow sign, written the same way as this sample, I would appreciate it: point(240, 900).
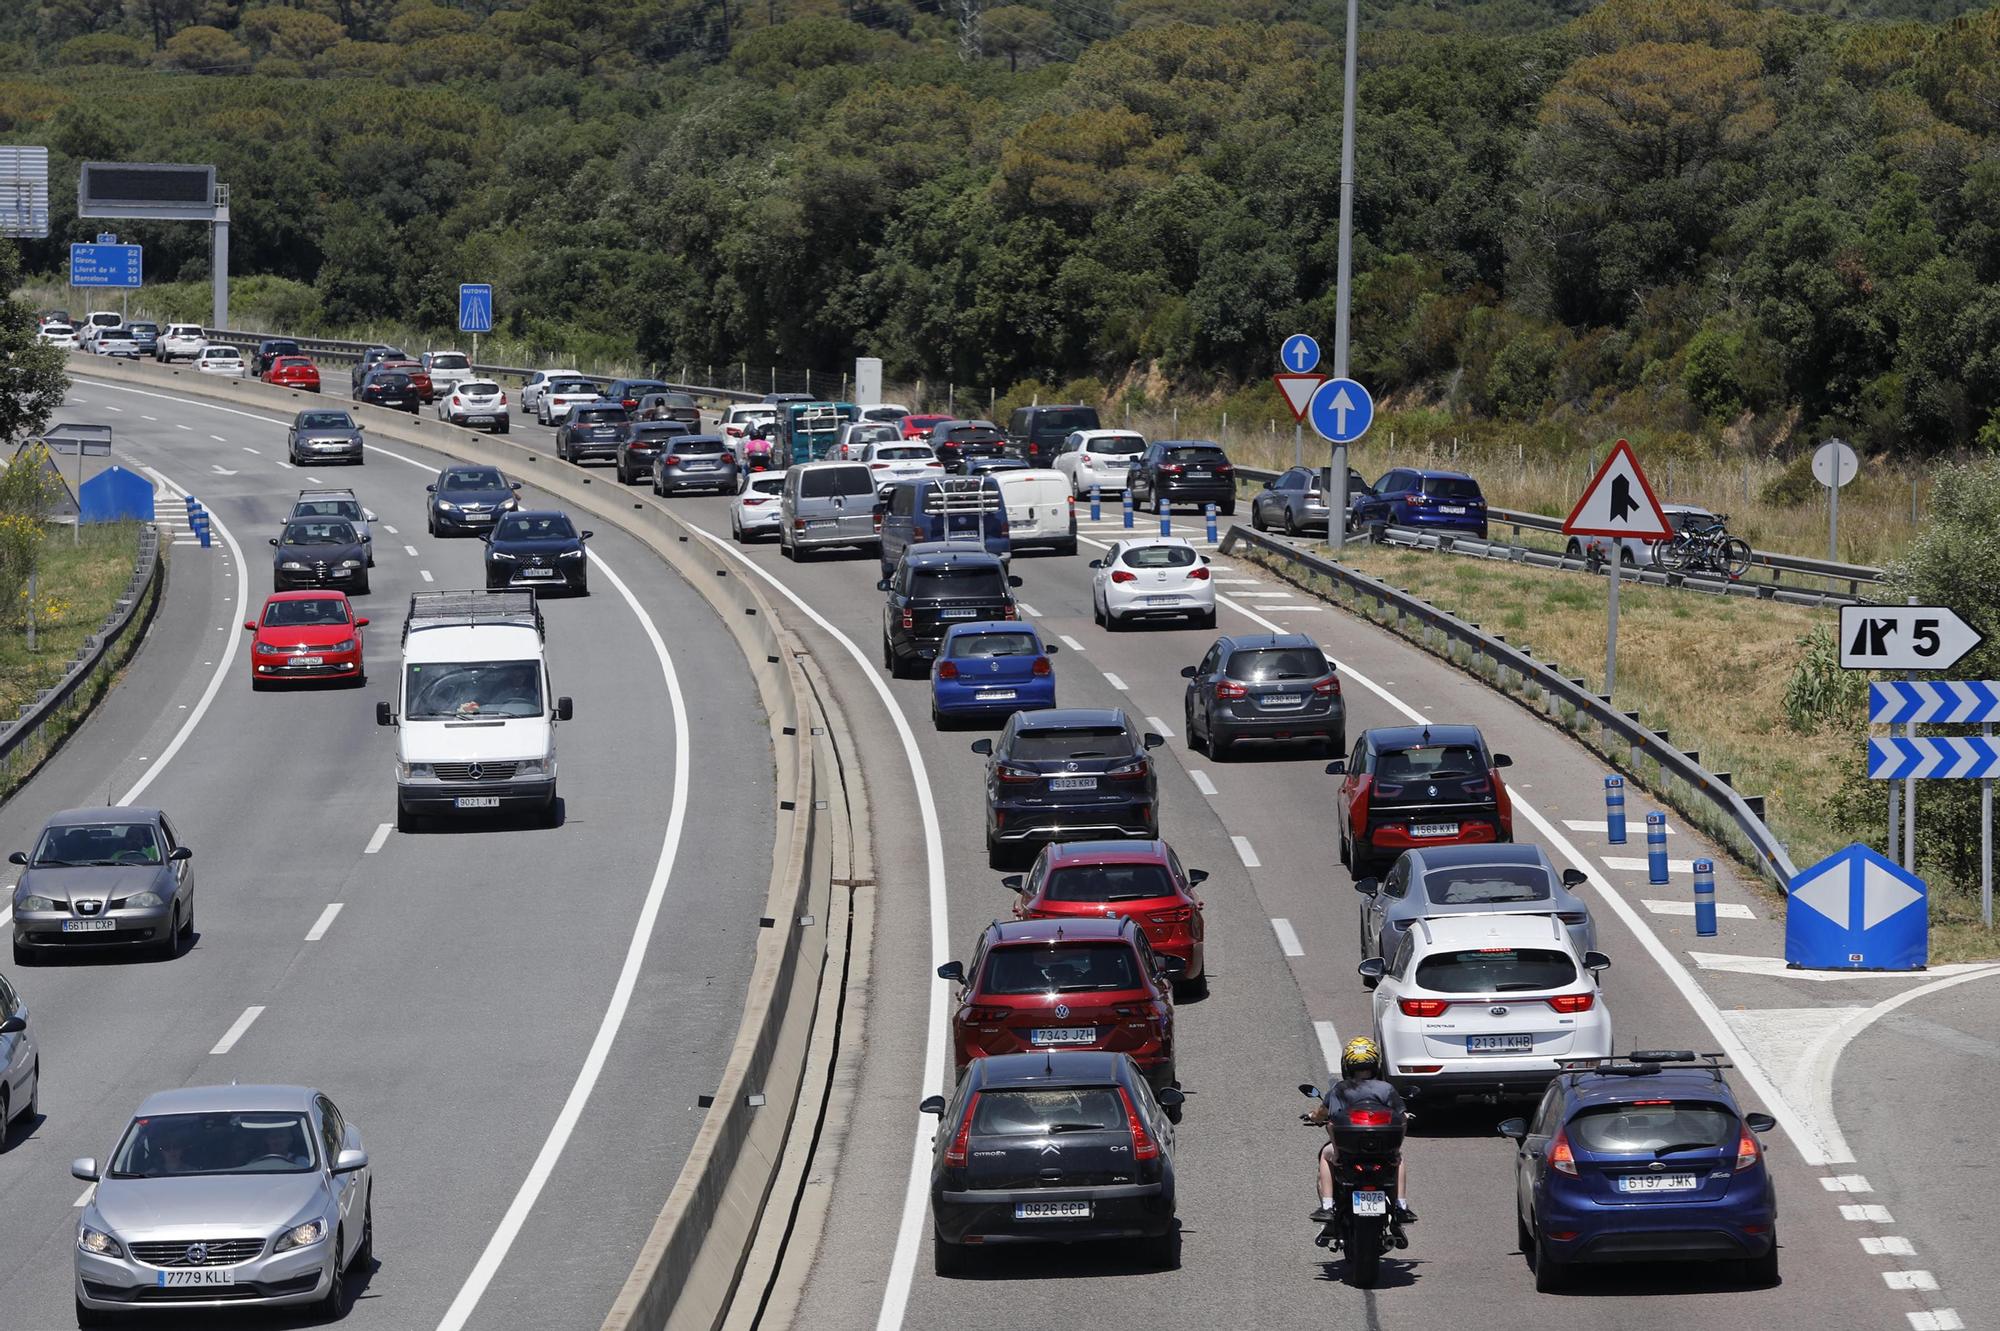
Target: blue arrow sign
point(1966, 758)
point(106, 265)
point(1340, 411)
point(1299, 354)
point(1851, 911)
point(1939, 702)
point(475, 307)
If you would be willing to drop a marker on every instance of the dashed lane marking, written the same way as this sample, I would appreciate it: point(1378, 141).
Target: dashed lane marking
point(427, 575)
point(1726, 910)
point(1867, 1213)
point(323, 923)
point(1114, 681)
point(1166, 731)
point(83, 1198)
point(1245, 853)
point(1628, 864)
point(1070, 642)
point(1943, 1319)
point(1288, 937)
point(1600, 825)
point(235, 1032)
point(1889, 1245)
point(1201, 781)
point(1029, 610)
point(1329, 1044)
point(410, 550)
point(1909, 1280)
point(1845, 1183)
point(380, 837)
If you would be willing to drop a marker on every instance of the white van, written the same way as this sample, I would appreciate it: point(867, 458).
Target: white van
point(1041, 511)
point(477, 725)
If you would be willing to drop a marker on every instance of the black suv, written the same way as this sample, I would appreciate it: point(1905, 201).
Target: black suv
point(1184, 471)
point(390, 388)
point(273, 347)
point(1036, 434)
point(642, 446)
point(935, 585)
point(627, 392)
point(592, 430)
point(956, 441)
point(1264, 686)
point(1068, 774)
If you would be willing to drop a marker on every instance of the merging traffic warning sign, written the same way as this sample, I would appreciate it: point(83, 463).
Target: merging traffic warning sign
point(1619, 503)
point(1298, 391)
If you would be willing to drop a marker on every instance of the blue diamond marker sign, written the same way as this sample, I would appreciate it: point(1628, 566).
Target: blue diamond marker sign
point(1299, 354)
point(475, 307)
point(1856, 910)
point(1340, 411)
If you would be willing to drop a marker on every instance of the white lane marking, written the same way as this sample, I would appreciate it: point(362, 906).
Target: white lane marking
point(1776, 968)
point(188, 428)
point(1724, 910)
point(144, 417)
point(187, 542)
point(1201, 781)
point(1889, 1246)
point(1867, 1213)
point(1070, 642)
point(410, 550)
point(1115, 682)
point(323, 923)
point(1276, 596)
point(427, 575)
point(83, 1198)
point(387, 528)
point(1165, 731)
point(1288, 937)
point(1909, 1280)
point(488, 1265)
point(119, 410)
point(1632, 826)
point(380, 837)
point(1329, 1044)
point(1237, 582)
point(235, 1032)
point(1029, 610)
point(316, 480)
point(1845, 1183)
point(1630, 864)
point(1294, 609)
point(1944, 1319)
point(1244, 853)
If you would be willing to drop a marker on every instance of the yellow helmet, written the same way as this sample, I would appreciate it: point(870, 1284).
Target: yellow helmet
point(1360, 1052)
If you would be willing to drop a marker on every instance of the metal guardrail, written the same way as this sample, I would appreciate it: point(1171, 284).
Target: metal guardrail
point(1707, 796)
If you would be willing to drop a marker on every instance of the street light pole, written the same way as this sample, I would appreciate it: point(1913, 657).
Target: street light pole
point(1336, 481)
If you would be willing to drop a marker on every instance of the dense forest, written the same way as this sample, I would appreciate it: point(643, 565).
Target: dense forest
point(1718, 213)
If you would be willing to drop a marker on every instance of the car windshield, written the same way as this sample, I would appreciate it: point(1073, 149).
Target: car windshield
point(901, 452)
point(1201, 457)
point(319, 533)
point(1061, 968)
point(1451, 487)
point(1267, 663)
point(1495, 970)
point(326, 420)
point(299, 614)
point(1652, 1129)
point(825, 482)
point(450, 360)
point(1487, 885)
point(957, 582)
point(966, 645)
point(1159, 556)
point(1428, 763)
point(473, 480)
point(179, 1145)
point(1114, 443)
point(1038, 1113)
point(1070, 742)
point(328, 508)
point(535, 527)
point(98, 843)
point(464, 690)
point(1110, 882)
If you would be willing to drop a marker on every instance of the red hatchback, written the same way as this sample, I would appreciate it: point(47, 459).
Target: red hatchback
point(309, 635)
point(919, 427)
point(1082, 983)
point(1140, 880)
point(293, 372)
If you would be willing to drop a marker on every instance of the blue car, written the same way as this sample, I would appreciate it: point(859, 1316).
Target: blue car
point(1646, 1158)
point(988, 670)
point(1428, 500)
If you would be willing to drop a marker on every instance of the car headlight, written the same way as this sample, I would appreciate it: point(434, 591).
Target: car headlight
point(350, 563)
point(570, 554)
point(145, 900)
point(293, 565)
point(98, 1242)
point(534, 766)
point(405, 771)
point(446, 506)
point(300, 1236)
point(510, 505)
point(344, 645)
point(34, 903)
point(502, 556)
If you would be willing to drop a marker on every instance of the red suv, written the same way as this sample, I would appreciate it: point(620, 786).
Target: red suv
point(293, 372)
point(1091, 983)
point(1410, 786)
point(1140, 880)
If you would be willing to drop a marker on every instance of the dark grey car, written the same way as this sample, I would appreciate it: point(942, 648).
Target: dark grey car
point(1295, 500)
point(1276, 686)
point(103, 877)
point(1470, 880)
point(320, 435)
point(695, 462)
point(319, 552)
point(1068, 774)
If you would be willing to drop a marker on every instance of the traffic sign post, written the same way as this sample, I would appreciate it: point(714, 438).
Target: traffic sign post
point(1833, 466)
point(1618, 503)
point(475, 311)
point(1852, 911)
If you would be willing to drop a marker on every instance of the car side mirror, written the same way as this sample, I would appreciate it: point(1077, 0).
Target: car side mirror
point(428, 489)
point(1575, 878)
point(1013, 882)
point(1759, 1122)
point(1502, 760)
point(587, 535)
point(565, 708)
point(362, 622)
point(1338, 767)
point(367, 515)
point(84, 1168)
point(1196, 877)
point(931, 1104)
point(250, 624)
point(181, 853)
point(1050, 649)
point(1371, 971)
point(383, 716)
point(515, 485)
point(18, 857)
point(983, 747)
point(1014, 580)
point(13, 1025)
point(1189, 672)
point(1517, 1128)
point(882, 584)
point(1154, 741)
point(1367, 886)
point(274, 540)
point(1097, 563)
point(350, 1161)
point(1204, 559)
point(952, 970)
point(1170, 1096)
point(1595, 962)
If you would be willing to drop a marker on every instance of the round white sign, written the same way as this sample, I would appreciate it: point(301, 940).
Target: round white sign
point(1834, 464)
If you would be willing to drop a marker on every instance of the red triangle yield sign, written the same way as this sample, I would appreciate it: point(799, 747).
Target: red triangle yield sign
point(1618, 502)
point(1298, 391)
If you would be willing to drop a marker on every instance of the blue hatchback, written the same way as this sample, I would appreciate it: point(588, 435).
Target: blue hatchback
point(1428, 500)
point(989, 670)
point(1646, 1158)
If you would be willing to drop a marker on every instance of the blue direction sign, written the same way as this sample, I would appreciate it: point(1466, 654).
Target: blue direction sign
point(1940, 702)
point(1968, 758)
point(1852, 911)
point(106, 265)
point(475, 307)
point(1340, 411)
point(1300, 353)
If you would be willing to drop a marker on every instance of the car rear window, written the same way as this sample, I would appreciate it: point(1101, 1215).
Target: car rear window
point(478, 388)
point(449, 360)
point(599, 415)
point(1062, 968)
point(396, 379)
point(1648, 1129)
point(958, 583)
point(1200, 456)
point(1070, 742)
point(901, 452)
point(1039, 1112)
point(1450, 761)
point(1486, 885)
point(1495, 970)
point(699, 444)
point(1115, 443)
point(1264, 663)
point(1159, 556)
point(1060, 421)
point(994, 644)
point(1451, 487)
point(825, 482)
point(1110, 882)
point(974, 434)
point(767, 484)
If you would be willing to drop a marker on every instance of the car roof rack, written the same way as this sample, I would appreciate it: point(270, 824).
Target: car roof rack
point(1652, 1062)
point(471, 608)
point(327, 490)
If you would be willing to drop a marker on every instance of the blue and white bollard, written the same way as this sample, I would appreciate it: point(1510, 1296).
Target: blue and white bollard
point(1166, 524)
point(1656, 848)
point(1614, 810)
point(1128, 510)
point(1208, 511)
point(200, 525)
point(1096, 505)
point(1704, 898)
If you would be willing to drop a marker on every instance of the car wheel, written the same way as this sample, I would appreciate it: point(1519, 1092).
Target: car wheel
point(1185, 990)
point(186, 938)
point(170, 947)
point(1573, 550)
point(1096, 613)
point(91, 1317)
point(1206, 621)
point(1346, 851)
point(1219, 745)
point(1291, 520)
point(1162, 1253)
point(333, 1306)
point(23, 955)
point(888, 657)
point(1256, 516)
point(1522, 1238)
point(364, 1256)
point(948, 1259)
point(1550, 1274)
point(407, 819)
point(504, 427)
point(1067, 547)
point(362, 590)
point(1161, 506)
point(1194, 738)
point(996, 855)
point(1112, 622)
point(736, 531)
point(1762, 1272)
point(1228, 509)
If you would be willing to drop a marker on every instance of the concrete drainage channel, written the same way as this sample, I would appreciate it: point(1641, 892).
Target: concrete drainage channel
point(717, 1254)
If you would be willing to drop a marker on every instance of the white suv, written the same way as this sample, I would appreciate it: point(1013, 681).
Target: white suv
point(448, 369)
point(1487, 1004)
point(180, 342)
point(1102, 458)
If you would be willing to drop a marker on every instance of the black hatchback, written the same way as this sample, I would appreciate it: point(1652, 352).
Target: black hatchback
point(936, 585)
point(1183, 471)
point(391, 388)
point(1064, 1146)
point(1264, 686)
point(957, 442)
point(1068, 774)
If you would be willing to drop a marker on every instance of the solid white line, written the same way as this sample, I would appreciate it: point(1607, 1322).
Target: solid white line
point(83, 1198)
point(1244, 853)
point(1277, 596)
point(410, 550)
point(1943, 1319)
point(1890, 1246)
point(1114, 681)
point(1868, 1213)
point(1201, 781)
point(1909, 1280)
point(1629, 864)
point(488, 1265)
point(1845, 1183)
point(1724, 910)
point(1288, 937)
point(1070, 642)
point(1029, 610)
point(427, 575)
point(235, 1032)
point(1237, 582)
point(1165, 731)
point(323, 923)
point(1329, 1044)
point(380, 837)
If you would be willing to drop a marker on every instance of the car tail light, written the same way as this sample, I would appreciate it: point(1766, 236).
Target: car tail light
point(988, 1013)
point(1561, 1158)
point(1180, 916)
point(628, 403)
point(728, 458)
point(1228, 690)
point(1747, 1150)
point(1420, 1069)
point(1422, 1007)
point(1577, 917)
point(733, 431)
point(1011, 612)
point(1041, 666)
point(878, 466)
point(1573, 1002)
point(1478, 786)
point(1416, 499)
point(876, 518)
point(955, 1154)
point(1223, 469)
point(1369, 1118)
point(909, 620)
point(757, 501)
point(1328, 687)
point(1171, 468)
point(1009, 772)
point(1143, 1145)
point(799, 524)
point(1198, 573)
point(503, 399)
point(946, 670)
point(1132, 771)
point(1120, 575)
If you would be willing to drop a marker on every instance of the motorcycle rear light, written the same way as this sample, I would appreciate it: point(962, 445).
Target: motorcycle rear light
point(1422, 1007)
point(1747, 1151)
point(1572, 1002)
point(946, 670)
point(1328, 687)
point(1143, 1145)
point(1198, 574)
point(955, 1154)
point(1041, 668)
point(1120, 575)
point(1369, 1118)
point(1228, 690)
point(1561, 1158)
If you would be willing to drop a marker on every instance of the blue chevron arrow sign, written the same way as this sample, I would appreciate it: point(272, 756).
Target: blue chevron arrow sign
point(1967, 758)
point(1939, 702)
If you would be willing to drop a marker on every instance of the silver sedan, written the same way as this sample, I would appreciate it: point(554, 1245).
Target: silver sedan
point(226, 1196)
point(104, 877)
point(1469, 880)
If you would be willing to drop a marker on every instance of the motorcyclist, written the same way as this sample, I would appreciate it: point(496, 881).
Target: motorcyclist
point(1360, 1084)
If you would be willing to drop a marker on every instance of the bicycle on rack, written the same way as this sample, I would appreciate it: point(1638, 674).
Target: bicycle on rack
point(1705, 549)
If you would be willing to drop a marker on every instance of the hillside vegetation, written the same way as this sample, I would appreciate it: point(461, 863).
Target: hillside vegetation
point(1729, 223)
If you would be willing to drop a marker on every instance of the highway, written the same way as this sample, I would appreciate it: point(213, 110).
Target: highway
point(444, 988)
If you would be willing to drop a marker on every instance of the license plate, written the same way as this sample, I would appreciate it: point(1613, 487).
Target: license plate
point(820, 524)
point(89, 926)
point(476, 802)
point(1371, 1203)
point(1433, 829)
point(1658, 1183)
point(1282, 699)
point(308, 660)
point(957, 614)
point(1199, 471)
point(1072, 783)
point(199, 1278)
point(538, 573)
point(341, 572)
point(1064, 1035)
point(481, 419)
point(1052, 1210)
point(1451, 508)
point(1499, 1044)
point(993, 695)
point(699, 466)
point(1161, 600)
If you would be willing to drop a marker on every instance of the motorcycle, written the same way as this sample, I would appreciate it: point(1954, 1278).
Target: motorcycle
point(1369, 1139)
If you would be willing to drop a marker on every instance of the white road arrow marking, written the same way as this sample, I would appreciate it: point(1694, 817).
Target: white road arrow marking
point(222, 471)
